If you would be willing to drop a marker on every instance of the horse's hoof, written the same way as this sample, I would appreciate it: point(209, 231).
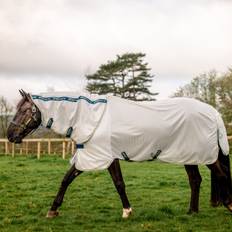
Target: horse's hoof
point(192, 212)
point(126, 212)
point(216, 203)
point(229, 207)
point(52, 214)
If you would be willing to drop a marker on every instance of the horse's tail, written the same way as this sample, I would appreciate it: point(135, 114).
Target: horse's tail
point(216, 194)
point(224, 160)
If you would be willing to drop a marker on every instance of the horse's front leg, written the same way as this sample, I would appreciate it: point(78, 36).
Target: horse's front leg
point(116, 174)
point(67, 180)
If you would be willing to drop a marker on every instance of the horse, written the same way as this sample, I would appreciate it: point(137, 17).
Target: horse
point(70, 115)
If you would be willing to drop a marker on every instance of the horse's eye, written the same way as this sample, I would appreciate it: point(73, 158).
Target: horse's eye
point(33, 109)
point(24, 111)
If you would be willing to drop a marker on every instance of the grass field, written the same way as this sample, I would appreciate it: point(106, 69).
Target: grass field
point(159, 194)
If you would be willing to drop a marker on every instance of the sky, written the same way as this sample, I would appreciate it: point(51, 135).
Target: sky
point(52, 45)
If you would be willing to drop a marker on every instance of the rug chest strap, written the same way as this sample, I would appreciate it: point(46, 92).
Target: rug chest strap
point(49, 123)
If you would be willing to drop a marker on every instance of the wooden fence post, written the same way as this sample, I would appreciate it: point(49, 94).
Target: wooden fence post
point(63, 153)
point(73, 147)
point(49, 147)
point(6, 148)
point(13, 150)
point(38, 149)
point(26, 147)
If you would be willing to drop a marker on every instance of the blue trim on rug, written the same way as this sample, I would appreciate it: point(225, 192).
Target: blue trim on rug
point(69, 99)
point(79, 146)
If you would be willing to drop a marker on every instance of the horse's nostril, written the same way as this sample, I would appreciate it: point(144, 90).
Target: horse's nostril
point(10, 136)
point(11, 139)
point(10, 133)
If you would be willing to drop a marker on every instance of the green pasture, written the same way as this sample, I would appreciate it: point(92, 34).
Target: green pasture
point(158, 192)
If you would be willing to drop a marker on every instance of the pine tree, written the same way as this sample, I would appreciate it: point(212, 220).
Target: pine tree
point(128, 77)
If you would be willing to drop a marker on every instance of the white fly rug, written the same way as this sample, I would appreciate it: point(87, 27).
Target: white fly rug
point(176, 130)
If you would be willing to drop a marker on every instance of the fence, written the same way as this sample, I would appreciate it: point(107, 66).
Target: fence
point(38, 146)
point(41, 146)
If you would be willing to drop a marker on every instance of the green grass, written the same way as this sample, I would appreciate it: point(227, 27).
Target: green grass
point(158, 192)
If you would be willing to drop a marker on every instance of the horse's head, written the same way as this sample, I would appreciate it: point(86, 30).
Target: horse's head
point(26, 119)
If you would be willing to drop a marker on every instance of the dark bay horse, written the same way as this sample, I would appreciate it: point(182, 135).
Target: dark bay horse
point(28, 118)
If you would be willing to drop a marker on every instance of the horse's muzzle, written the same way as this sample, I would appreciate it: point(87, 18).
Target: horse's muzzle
point(13, 135)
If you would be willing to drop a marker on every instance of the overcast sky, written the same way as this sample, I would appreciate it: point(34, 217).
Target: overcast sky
point(53, 44)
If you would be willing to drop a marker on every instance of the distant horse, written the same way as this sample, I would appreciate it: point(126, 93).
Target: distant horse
point(107, 128)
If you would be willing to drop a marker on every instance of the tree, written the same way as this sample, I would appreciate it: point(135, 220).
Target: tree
point(128, 77)
point(214, 90)
point(5, 114)
point(202, 87)
point(224, 91)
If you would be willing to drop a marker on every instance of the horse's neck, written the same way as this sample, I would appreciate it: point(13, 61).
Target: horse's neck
point(81, 113)
point(56, 114)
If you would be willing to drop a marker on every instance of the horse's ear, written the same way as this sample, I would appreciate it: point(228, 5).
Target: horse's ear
point(22, 92)
point(25, 95)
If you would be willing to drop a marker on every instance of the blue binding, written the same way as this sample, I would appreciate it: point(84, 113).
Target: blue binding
point(69, 99)
point(79, 146)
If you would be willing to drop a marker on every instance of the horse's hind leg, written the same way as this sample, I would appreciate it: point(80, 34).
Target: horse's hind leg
point(216, 198)
point(116, 174)
point(195, 182)
point(216, 194)
point(222, 181)
point(67, 180)
point(224, 161)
